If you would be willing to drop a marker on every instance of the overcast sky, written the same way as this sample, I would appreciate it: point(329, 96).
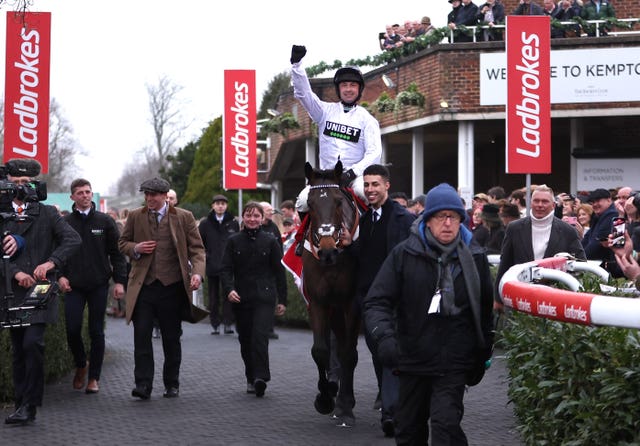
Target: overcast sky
point(103, 54)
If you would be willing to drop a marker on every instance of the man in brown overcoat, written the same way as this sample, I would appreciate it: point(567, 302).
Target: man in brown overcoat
point(167, 264)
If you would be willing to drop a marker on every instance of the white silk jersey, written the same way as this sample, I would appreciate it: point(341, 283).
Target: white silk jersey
point(353, 137)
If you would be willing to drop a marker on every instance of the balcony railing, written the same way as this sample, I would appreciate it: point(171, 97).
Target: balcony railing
point(474, 29)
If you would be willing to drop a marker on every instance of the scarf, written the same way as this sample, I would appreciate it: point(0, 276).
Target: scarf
point(452, 259)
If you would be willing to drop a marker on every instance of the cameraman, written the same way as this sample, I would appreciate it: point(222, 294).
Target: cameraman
point(49, 241)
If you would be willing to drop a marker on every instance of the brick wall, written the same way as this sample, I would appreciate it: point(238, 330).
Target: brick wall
point(445, 72)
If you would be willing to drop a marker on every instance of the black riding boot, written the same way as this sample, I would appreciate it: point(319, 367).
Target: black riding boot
point(300, 242)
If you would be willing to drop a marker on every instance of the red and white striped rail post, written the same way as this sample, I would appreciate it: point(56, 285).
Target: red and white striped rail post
point(573, 306)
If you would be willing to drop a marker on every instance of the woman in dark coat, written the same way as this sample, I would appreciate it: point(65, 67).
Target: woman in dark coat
point(253, 279)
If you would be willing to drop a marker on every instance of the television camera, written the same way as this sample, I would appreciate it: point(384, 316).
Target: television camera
point(19, 314)
point(31, 192)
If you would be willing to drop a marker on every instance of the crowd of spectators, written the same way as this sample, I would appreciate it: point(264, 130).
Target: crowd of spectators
point(590, 213)
point(489, 20)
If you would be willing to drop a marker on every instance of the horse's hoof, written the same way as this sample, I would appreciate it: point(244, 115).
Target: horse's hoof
point(346, 418)
point(332, 387)
point(324, 404)
point(346, 422)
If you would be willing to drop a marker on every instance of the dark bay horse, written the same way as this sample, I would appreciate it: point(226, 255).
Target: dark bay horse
point(329, 284)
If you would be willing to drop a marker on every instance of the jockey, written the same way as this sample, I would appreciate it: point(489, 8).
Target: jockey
point(346, 132)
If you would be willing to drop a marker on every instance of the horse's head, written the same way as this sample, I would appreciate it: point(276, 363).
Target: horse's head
point(327, 208)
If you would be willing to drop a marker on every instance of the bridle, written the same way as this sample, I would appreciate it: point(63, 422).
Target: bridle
point(329, 229)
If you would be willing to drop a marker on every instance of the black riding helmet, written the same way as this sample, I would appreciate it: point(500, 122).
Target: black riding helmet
point(349, 74)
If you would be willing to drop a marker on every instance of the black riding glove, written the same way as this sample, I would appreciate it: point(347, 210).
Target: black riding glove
point(297, 53)
point(388, 352)
point(347, 178)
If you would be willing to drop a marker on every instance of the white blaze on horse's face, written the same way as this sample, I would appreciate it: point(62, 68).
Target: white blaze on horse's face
point(326, 230)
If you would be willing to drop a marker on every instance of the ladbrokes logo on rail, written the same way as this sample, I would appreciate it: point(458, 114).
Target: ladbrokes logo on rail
point(342, 131)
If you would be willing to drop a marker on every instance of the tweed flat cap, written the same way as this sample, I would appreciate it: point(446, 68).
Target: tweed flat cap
point(219, 197)
point(155, 185)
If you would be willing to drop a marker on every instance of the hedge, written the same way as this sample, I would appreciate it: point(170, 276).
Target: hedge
point(58, 359)
point(571, 384)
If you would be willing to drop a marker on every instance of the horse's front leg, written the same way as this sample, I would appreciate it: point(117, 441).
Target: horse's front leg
point(348, 330)
point(318, 316)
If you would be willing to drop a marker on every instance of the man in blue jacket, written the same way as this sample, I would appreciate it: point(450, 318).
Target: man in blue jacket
point(429, 311)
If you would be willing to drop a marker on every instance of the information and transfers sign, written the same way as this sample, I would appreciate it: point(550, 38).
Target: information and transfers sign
point(528, 123)
point(240, 165)
point(26, 91)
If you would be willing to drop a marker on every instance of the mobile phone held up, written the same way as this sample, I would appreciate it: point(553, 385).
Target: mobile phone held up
point(618, 226)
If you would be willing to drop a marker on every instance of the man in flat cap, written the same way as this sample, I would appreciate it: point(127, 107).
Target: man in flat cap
point(167, 264)
point(596, 240)
point(215, 230)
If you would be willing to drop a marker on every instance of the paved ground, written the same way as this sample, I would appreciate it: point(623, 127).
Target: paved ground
point(213, 408)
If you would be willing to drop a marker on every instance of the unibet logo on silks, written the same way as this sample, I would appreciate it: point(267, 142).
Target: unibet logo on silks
point(341, 131)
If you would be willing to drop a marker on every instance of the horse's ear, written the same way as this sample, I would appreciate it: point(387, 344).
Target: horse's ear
point(338, 169)
point(308, 170)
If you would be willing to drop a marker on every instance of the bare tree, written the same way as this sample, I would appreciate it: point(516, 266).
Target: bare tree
point(63, 149)
point(164, 105)
point(167, 123)
point(132, 175)
point(19, 6)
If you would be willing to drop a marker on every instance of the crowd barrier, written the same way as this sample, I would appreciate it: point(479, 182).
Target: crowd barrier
point(573, 305)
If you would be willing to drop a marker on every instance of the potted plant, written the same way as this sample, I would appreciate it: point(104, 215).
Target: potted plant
point(384, 103)
point(410, 96)
point(281, 123)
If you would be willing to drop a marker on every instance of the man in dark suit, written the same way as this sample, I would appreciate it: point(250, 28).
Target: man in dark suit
point(49, 243)
point(466, 15)
point(385, 224)
point(167, 264)
point(596, 240)
point(536, 237)
point(215, 230)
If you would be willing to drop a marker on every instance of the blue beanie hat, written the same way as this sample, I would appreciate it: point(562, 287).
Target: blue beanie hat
point(442, 197)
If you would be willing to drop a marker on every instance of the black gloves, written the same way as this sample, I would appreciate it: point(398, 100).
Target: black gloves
point(388, 352)
point(297, 53)
point(482, 364)
point(347, 178)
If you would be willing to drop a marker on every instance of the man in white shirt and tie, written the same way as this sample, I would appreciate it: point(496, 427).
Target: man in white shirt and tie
point(382, 227)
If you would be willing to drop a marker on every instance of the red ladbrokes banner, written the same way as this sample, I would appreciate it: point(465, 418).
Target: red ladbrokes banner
point(528, 95)
point(240, 165)
point(26, 94)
